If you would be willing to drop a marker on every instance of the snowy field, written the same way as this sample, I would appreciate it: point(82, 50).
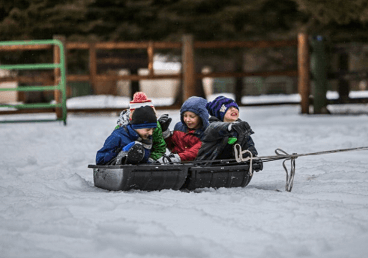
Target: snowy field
point(49, 206)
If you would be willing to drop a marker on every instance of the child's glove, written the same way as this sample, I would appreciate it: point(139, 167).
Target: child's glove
point(165, 121)
point(242, 128)
point(135, 152)
point(171, 158)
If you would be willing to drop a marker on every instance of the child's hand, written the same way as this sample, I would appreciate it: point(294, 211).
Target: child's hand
point(164, 121)
point(241, 128)
point(171, 158)
point(135, 152)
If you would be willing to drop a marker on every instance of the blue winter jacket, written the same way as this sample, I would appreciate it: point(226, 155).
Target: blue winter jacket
point(115, 142)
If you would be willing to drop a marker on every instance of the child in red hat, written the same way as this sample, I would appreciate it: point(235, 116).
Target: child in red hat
point(140, 99)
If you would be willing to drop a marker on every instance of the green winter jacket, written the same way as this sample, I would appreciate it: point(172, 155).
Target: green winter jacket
point(158, 143)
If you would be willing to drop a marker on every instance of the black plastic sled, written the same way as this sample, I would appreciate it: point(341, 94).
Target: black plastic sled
point(151, 177)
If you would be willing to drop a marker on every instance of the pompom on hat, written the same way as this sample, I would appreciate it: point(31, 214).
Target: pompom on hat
point(140, 100)
point(219, 106)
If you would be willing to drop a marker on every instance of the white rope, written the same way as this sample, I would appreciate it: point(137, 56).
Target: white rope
point(281, 154)
point(239, 157)
point(289, 176)
point(238, 152)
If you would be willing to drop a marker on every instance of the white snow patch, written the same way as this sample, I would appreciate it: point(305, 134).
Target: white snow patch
point(50, 207)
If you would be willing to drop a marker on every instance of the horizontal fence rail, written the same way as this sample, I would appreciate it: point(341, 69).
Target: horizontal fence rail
point(150, 46)
point(187, 74)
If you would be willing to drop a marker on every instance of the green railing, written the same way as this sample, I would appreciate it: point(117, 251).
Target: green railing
point(60, 104)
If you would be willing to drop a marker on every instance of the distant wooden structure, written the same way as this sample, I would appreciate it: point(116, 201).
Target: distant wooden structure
point(303, 72)
point(187, 75)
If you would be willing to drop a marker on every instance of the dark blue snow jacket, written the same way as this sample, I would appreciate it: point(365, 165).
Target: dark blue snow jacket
point(115, 143)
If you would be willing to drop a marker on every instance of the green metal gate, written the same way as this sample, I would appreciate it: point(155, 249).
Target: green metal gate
point(60, 105)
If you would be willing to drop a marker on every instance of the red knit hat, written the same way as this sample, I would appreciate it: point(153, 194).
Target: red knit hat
point(139, 100)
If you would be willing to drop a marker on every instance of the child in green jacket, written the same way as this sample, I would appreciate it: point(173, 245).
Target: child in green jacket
point(158, 143)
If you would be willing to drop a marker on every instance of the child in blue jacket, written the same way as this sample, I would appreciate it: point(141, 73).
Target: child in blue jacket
point(140, 99)
point(130, 143)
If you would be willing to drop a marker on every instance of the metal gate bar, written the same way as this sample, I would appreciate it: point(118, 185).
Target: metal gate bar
point(61, 81)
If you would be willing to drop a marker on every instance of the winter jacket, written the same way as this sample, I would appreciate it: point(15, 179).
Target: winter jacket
point(158, 145)
point(115, 142)
point(184, 141)
point(215, 143)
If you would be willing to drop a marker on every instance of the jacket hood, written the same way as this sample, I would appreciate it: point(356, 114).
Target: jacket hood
point(197, 105)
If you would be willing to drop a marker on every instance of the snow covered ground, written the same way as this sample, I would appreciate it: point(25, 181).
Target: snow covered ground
point(49, 206)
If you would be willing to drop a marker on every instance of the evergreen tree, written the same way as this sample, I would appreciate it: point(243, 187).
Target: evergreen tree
point(132, 20)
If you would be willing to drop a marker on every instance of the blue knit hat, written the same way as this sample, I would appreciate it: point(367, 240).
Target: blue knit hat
point(219, 106)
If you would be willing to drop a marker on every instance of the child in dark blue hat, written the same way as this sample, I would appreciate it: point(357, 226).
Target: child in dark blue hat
point(132, 142)
point(140, 99)
point(225, 130)
point(224, 109)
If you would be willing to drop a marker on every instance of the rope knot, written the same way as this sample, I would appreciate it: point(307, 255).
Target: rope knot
point(238, 153)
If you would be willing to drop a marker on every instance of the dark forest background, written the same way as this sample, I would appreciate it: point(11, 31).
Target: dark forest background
point(167, 20)
point(338, 21)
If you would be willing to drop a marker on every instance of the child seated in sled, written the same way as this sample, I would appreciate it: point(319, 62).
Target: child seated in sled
point(225, 130)
point(130, 143)
point(185, 141)
point(158, 143)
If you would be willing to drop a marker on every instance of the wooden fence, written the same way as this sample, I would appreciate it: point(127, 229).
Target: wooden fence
point(188, 74)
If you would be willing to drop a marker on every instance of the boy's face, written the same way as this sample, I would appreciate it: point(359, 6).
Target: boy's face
point(145, 133)
point(191, 120)
point(231, 115)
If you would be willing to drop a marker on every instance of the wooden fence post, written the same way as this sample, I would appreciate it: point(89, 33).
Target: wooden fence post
point(93, 67)
point(303, 72)
point(57, 74)
point(150, 53)
point(188, 67)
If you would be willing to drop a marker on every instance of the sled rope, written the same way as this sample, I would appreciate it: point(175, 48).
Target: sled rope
point(281, 154)
point(239, 157)
point(289, 176)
